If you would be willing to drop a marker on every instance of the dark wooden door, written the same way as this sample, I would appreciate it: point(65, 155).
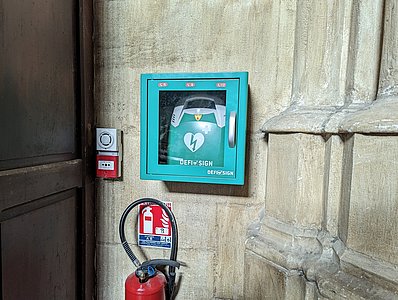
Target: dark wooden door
point(46, 182)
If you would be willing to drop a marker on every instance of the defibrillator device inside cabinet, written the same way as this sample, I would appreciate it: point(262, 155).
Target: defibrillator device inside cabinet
point(193, 127)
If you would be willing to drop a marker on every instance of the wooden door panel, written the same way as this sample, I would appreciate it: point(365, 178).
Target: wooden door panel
point(39, 252)
point(24, 185)
point(38, 82)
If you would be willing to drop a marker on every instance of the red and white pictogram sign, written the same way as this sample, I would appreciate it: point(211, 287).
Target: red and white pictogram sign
point(154, 227)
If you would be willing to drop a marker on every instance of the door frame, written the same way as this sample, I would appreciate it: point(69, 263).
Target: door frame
point(86, 57)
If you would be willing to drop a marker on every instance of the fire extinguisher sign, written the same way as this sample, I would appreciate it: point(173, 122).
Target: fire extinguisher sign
point(154, 227)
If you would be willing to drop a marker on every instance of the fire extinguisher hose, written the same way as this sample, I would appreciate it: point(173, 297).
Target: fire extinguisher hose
point(172, 262)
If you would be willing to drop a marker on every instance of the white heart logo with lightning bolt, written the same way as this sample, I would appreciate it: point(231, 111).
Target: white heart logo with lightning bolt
point(194, 141)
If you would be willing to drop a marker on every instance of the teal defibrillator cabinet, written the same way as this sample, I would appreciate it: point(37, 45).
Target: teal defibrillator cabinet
point(193, 127)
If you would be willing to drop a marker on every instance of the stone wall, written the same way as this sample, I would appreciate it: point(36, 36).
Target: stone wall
point(316, 216)
point(330, 229)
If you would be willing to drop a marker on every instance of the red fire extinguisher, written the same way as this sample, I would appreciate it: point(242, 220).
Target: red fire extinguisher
point(147, 282)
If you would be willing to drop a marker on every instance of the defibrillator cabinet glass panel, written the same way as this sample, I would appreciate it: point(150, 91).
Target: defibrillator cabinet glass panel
point(188, 125)
point(192, 128)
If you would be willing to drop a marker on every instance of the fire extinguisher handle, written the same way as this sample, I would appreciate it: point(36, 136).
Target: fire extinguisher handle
point(161, 262)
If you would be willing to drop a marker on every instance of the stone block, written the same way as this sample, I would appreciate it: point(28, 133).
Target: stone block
point(113, 267)
point(295, 185)
point(268, 281)
point(232, 223)
point(196, 279)
point(373, 229)
point(334, 176)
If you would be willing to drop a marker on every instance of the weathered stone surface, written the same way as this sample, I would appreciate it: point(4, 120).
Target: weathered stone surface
point(265, 281)
point(356, 182)
point(345, 286)
point(373, 226)
point(196, 226)
point(363, 62)
point(300, 119)
point(320, 53)
point(113, 267)
point(378, 117)
point(268, 281)
point(381, 117)
point(380, 273)
point(296, 173)
point(122, 110)
point(134, 37)
point(388, 82)
point(231, 231)
point(333, 179)
point(196, 280)
point(313, 65)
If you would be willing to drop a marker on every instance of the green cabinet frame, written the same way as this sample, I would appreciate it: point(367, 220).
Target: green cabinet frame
point(193, 127)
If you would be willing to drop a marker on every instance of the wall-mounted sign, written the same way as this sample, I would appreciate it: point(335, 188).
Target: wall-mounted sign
point(193, 127)
point(154, 227)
